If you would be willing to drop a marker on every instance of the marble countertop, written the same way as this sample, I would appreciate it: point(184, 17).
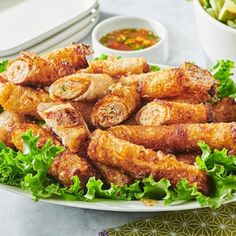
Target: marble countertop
point(20, 216)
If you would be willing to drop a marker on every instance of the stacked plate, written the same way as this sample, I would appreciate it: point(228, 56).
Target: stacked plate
point(41, 25)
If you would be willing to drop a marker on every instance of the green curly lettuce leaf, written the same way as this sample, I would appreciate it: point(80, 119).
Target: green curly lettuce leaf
point(29, 170)
point(222, 72)
point(3, 66)
point(154, 68)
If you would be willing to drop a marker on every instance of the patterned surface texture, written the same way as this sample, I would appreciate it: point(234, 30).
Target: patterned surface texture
point(201, 222)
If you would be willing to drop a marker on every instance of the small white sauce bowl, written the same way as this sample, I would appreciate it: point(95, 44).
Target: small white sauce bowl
point(217, 39)
point(157, 54)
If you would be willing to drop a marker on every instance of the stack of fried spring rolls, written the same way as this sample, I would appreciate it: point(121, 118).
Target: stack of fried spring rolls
point(183, 90)
point(38, 71)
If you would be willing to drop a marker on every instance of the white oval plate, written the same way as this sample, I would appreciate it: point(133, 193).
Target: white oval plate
point(115, 205)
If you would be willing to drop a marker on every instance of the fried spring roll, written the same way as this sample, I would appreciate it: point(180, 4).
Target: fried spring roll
point(85, 108)
point(141, 162)
point(116, 106)
point(43, 134)
point(20, 99)
point(35, 70)
point(119, 67)
point(68, 164)
point(7, 121)
point(180, 137)
point(176, 81)
point(67, 123)
point(166, 113)
point(113, 175)
point(81, 87)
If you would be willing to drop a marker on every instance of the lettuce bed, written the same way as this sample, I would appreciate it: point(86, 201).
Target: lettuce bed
point(29, 171)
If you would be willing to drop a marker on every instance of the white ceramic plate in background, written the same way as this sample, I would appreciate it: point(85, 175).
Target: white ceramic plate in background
point(48, 45)
point(157, 53)
point(27, 22)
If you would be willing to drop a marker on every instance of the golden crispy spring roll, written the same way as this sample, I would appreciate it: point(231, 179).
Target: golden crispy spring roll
point(7, 121)
point(35, 70)
point(67, 123)
point(177, 81)
point(68, 164)
point(81, 87)
point(140, 162)
point(113, 175)
point(179, 137)
point(166, 113)
point(85, 108)
point(20, 99)
point(117, 67)
point(116, 106)
point(43, 134)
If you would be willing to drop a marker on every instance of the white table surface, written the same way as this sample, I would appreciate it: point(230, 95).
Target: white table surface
point(21, 216)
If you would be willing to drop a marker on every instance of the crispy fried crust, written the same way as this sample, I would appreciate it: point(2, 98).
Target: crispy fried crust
point(191, 97)
point(166, 113)
point(43, 134)
point(225, 111)
point(7, 121)
point(67, 123)
point(22, 100)
point(119, 67)
point(35, 70)
point(179, 137)
point(68, 164)
point(113, 175)
point(188, 158)
point(116, 106)
point(3, 77)
point(163, 83)
point(177, 81)
point(141, 162)
point(81, 87)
